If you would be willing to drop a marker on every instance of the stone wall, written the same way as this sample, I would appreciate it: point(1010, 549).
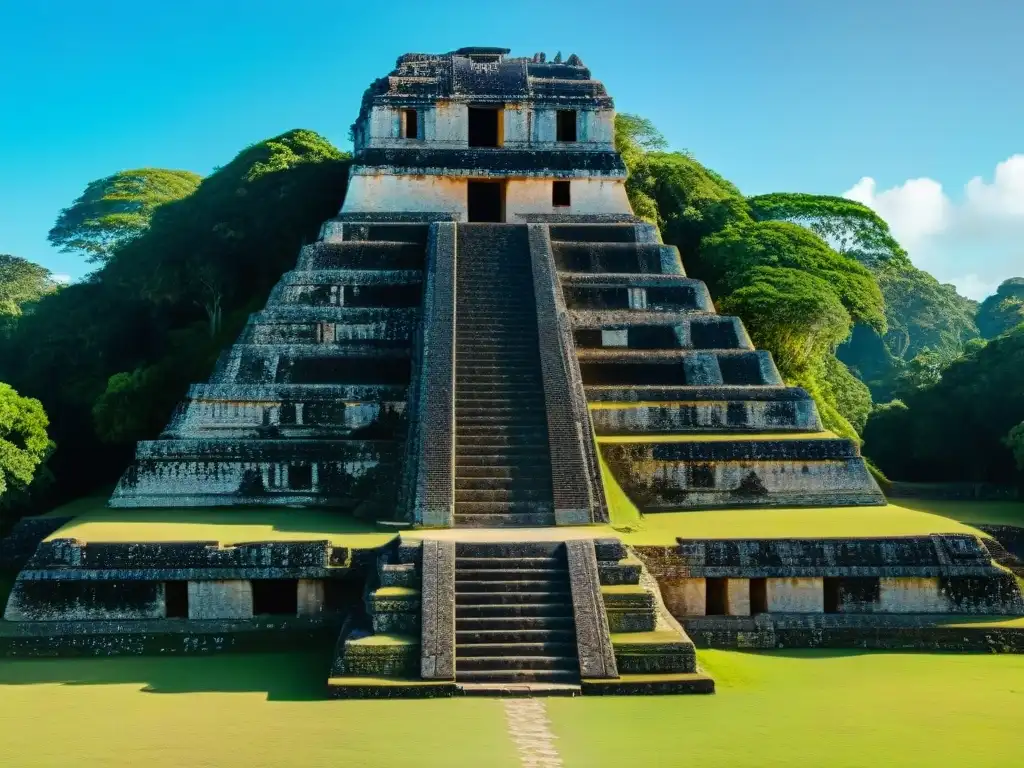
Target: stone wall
point(374, 191)
point(914, 574)
point(85, 601)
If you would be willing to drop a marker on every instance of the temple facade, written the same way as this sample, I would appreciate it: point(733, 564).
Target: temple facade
point(477, 136)
point(485, 337)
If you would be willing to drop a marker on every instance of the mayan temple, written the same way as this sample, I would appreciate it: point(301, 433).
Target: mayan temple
point(486, 337)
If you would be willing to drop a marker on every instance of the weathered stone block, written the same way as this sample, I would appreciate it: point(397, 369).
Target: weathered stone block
point(911, 595)
point(230, 599)
point(310, 597)
point(795, 595)
point(685, 597)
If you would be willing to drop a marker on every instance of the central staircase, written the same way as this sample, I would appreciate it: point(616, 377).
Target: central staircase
point(502, 460)
point(514, 616)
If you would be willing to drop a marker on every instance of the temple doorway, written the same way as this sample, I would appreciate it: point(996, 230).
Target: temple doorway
point(485, 200)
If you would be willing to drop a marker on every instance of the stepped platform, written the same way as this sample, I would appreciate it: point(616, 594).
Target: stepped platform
point(309, 406)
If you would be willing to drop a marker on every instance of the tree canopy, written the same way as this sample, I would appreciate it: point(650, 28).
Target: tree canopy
point(21, 282)
point(1002, 310)
point(850, 227)
point(922, 316)
point(635, 137)
point(956, 428)
point(116, 209)
point(733, 255)
point(24, 443)
point(110, 357)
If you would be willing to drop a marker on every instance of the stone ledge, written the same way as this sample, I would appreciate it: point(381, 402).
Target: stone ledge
point(632, 685)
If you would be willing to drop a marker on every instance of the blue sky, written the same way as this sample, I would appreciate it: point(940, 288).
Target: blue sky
point(899, 103)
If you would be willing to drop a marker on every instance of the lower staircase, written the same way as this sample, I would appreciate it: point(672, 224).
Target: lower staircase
point(502, 460)
point(514, 621)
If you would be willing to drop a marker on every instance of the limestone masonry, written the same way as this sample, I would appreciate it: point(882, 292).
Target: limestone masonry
point(482, 331)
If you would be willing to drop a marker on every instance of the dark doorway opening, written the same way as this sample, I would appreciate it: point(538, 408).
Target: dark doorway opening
point(278, 597)
point(717, 597)
point(560, 194)
point(484, 200)
point(410, 124)
point(176, 599)
point(758, 596)
point(833, 594)
point(484, 127)
point(567, 125)
point(300, 477)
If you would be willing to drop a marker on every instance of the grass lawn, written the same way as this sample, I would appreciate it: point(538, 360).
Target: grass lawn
point(813, 708)
point(780, 708)
point(226, 711)
point(968, 511)
point(94, 521)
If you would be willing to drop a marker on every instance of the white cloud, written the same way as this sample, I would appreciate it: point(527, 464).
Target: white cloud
point(61, 278)
point(975, 242)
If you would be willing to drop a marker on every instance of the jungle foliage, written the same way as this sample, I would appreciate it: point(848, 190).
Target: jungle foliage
point(964, 426)
point(116, 209)
point(1003, 310)
point(109, 357)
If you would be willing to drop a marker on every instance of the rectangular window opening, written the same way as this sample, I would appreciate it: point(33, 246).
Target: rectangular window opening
point(484, 127)
point(560, 194)
point(176, 599)
point(833, 594)
point(758, 596)
point(275, 597)
point(567, 125)
point(717, 597)
point(300, 477)
point(410, 124)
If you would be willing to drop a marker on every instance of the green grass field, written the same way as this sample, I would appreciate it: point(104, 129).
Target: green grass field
point(972, 512)
point(95, 522)
point(780, 708)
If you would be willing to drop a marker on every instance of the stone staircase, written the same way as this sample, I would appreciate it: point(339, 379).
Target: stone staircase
point(502, 459)
point(514, 615)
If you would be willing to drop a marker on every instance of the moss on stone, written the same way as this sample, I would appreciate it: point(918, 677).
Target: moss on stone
point(396, 592)
point(372, 641)
point(658, 637)
point(623, 589)
point(713, 437)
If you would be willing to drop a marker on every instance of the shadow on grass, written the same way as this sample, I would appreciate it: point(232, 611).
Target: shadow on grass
point(282, 676)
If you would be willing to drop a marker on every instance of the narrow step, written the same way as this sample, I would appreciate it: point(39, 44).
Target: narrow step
point(514, 611)
point(495, 575)
point(509, 520)
point(564, 649)
point(528, 636)
point(517, 676)
point(503, 663)
point(512, 598)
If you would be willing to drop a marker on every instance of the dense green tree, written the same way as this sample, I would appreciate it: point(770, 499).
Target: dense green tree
point(167, 302)
point(635, 137)
point(24, 443)
point(116, 209)
point(1002, 310)
point(692, 201)
point(795, 314)
point(1014, 440)
point(922, 315)
point(732, 255)
point(21, 282)
point(850, 227)
point(956, 428)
